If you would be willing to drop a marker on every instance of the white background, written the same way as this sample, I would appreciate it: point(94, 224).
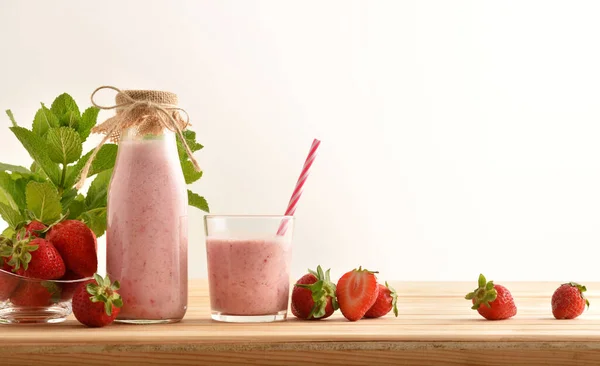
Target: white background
point(458, 136)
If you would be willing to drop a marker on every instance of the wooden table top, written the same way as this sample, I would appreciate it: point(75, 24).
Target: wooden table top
point(434, 320)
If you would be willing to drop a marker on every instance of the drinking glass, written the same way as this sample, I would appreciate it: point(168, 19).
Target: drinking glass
point(249, 267)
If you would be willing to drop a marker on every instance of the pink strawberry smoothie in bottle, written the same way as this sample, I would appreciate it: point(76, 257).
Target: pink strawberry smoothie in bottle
point(146, 235)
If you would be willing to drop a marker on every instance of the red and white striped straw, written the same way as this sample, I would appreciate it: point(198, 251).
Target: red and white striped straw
point(291, 209)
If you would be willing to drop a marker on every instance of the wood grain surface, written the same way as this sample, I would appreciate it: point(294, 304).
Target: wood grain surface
point(435, 327)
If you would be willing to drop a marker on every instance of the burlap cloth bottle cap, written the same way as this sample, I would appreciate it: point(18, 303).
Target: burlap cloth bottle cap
point(156, 96)
point(137, 112)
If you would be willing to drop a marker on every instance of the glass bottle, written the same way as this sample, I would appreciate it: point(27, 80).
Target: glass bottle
point(147, 222)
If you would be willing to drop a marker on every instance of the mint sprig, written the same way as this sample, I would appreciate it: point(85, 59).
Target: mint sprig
point(46, 191)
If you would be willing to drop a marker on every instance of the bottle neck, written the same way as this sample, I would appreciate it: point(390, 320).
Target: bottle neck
point(132, 134)
point(162, 146)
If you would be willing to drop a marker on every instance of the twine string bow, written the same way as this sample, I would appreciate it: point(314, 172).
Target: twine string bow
point(163, 113)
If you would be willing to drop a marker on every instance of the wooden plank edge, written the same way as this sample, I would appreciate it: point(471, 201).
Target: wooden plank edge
point(300, 346)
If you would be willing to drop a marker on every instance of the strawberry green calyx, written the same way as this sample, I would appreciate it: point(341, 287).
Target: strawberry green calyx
point(394, 296)
point(20, 254)
point(483, 294)
point(581, 289)
point(105, 291)
point(53, 290)
point(6, 246)
point(322, 290)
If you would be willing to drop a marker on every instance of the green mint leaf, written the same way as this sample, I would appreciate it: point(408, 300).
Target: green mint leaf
point(8, 232)
point(189, 172)
point(64, 103)
point(37, 149)
point(37, 171)
point(64, 144)
point(10, 115)
point(11, 216)
point(16, 188)
point(8, 191)
point(43, 201)
point(44, 120)
point(95, 219)
point(67, 197)
point(197, 201)
point(76, 207)
point(190, 139)
point(96, 194)
point(14, 168)
point(105, 159)
point(88, 120)
point(28, 177)
point(70, 119)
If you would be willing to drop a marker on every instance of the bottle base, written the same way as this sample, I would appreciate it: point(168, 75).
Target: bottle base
point(228, 318)
point(146, 321)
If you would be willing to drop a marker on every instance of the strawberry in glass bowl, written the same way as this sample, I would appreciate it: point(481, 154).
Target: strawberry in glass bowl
point(37, 279)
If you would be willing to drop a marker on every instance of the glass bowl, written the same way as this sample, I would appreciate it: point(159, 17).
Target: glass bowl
point(28, 300)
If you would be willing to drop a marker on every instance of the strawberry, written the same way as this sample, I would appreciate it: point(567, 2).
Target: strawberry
point(6, 249)
point(34, 293)
point(5, 266)
point(68, 288)
point(76, 243)
point(568, 301)
point(96, 302)
point(37, 258)
point(357, 291)
point(493, 302)
point(313, 296)
point(387, 300)
point(8, 284)
point(33, 228)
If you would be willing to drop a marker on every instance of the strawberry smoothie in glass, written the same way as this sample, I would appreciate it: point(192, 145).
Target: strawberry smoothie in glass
point(248, 267)
point(146, 236)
